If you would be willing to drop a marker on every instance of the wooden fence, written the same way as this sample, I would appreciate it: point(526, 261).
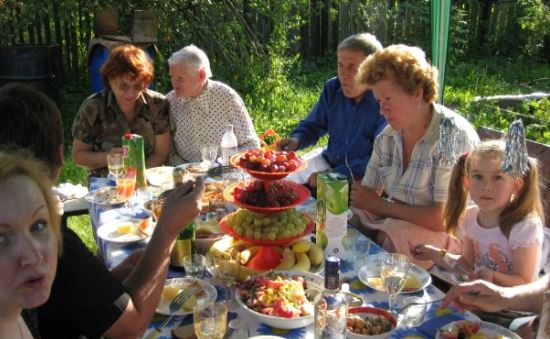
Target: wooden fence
point(70, 25)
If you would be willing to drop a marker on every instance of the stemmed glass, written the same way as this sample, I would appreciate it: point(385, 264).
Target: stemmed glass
point(394, 271)
point(115, 164)
point(210, 321)
point(225, 269)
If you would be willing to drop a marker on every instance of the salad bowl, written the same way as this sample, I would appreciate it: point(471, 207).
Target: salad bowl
point(248, 291)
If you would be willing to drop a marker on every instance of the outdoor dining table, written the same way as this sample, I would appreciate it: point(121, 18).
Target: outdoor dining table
point(114, 253)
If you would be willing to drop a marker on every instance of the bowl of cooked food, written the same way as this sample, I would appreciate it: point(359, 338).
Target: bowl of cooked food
point(279, 299)
point(370, 322)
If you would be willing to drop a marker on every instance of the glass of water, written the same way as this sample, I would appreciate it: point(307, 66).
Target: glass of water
point(194, 265)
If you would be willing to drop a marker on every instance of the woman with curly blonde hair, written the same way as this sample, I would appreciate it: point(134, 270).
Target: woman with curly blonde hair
point(405, 186)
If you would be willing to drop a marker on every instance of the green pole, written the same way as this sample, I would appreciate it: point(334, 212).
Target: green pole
point(441, 13)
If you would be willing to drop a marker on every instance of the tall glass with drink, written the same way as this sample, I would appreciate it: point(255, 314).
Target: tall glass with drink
point(210, 321)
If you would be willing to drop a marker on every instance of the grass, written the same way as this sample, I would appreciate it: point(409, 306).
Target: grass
point(292, 96)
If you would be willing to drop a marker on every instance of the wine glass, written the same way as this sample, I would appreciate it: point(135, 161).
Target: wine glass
point(394, 271)
point(224, 268)
point(210, 320)
point(115, 164)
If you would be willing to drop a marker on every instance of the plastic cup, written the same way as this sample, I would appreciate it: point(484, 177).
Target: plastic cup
point(414, 315)
point(194, 265)
point(350, 243)
point(237, 329)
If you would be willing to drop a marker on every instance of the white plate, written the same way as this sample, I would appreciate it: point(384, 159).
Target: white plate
point(105, 196)
point(160, 176)
point(109, 232)
point(370, 275)
point(489, 329)
point(313, 281)
point(210, 294)
point(196, 168)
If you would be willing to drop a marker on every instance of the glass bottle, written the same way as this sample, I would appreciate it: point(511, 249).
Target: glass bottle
point(331, 311)
point(184, 246)
point(228, 145)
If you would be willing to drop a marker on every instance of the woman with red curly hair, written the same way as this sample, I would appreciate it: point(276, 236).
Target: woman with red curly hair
point(125, 105)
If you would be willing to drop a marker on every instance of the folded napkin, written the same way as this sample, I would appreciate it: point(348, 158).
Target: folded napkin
point(68, 191)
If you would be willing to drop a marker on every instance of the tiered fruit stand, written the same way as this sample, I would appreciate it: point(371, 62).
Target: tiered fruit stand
point(269, 255)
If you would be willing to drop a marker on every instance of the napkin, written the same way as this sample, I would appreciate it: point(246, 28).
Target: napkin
point(67, 191)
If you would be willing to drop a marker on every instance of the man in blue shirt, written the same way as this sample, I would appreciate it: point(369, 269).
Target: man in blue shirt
point(346, 110)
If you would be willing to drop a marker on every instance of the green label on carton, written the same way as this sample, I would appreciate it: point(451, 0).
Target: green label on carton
point(332, 207)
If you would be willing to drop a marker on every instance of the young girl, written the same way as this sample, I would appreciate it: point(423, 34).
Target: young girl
point(503, 232)
point(29, 242)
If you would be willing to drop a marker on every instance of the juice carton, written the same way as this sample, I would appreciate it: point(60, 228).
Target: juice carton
point(134, 156)
point(332, 208)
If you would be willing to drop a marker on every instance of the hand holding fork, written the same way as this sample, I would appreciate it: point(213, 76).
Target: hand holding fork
point(174, 306)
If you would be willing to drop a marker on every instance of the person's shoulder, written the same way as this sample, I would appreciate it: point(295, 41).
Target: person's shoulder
point(332, 85)
point(221, 88)
point(154, 97)
point(95, 99)
point(461, 123)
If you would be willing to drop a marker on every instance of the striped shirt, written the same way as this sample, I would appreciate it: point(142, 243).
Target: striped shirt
point(422, 184)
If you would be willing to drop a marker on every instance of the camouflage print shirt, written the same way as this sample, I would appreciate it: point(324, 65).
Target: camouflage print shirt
point(101, 124)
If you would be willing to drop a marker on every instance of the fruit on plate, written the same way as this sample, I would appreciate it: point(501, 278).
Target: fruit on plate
point(269, 161)
point(464, 329)
point(258, 193)
point(290, 260)
point(276, 226)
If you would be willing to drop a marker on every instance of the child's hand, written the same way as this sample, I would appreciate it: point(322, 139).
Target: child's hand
point(424, 252)
point(485, 274)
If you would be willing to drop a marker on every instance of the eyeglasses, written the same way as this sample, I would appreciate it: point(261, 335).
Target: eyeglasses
point(123, 86)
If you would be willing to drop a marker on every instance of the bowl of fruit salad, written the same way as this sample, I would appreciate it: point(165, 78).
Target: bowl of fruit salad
point(268, 165)
point(266, 196)
point(278, 299)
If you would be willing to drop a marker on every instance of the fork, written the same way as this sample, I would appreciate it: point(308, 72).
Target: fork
point(174, 306)
point(349, 168)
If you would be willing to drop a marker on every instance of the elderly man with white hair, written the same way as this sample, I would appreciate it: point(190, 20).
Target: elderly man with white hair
point(201, 108)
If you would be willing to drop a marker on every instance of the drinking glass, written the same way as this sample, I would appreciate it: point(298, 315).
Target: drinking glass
point(210, 321)
point(126, 184)
point(194, 265)
point(394, 271)
point(224, 268)
point(238, 329)
point(350, 242)
point(115, 164)
point(209, 152)
point(414, 315)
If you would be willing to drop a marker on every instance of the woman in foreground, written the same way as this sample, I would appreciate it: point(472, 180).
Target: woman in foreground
point(29, 243)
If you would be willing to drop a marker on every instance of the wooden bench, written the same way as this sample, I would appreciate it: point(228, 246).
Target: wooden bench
point(535, 150)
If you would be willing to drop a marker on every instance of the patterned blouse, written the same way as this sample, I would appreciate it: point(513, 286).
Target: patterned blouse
point(203, 120)
point(101, 124)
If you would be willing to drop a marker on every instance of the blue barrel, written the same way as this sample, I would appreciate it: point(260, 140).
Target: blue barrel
point(98, 55)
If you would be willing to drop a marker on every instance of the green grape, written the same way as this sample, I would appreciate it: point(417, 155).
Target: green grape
point(249, 233)
point(286, 234)
point(257, 222)
point(266, 221)
point(271, 236)
point(257, 235)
